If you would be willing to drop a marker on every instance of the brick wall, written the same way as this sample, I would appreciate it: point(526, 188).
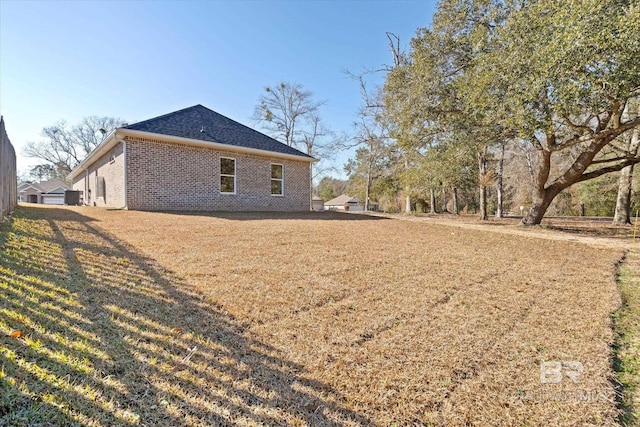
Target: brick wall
point(111, 168)
point(166, 176)
point(8, 174)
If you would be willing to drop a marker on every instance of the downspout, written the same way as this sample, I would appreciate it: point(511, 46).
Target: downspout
point(86, 187)
point(311, 186)
point(124, 158)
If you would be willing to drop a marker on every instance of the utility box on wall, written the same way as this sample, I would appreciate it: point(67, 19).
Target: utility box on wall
point(72, 197)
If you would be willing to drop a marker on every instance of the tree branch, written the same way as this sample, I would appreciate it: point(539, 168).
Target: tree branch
point(616, 159)
point(605, 135)
point(609, 169)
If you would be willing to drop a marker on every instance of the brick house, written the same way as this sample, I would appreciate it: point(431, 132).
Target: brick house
point(194, 159)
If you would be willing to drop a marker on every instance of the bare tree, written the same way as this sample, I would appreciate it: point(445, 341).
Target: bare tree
point(318, 142)
point(65, 147)
point(372, 156)
point(289, 113)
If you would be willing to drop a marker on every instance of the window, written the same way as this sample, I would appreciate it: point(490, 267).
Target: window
point(100, 187)
point(277, 180)
point(227, 175)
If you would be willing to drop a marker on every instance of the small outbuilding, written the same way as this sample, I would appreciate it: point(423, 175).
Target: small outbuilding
point(317, 204)
point(343, 203)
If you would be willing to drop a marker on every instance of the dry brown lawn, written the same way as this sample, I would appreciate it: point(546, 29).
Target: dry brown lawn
point(137, 318)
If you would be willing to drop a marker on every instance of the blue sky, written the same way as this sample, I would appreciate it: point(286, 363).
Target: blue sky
point(140, 59)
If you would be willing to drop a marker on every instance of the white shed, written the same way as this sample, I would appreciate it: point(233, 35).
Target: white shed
point(317, 204)
point(343, 202)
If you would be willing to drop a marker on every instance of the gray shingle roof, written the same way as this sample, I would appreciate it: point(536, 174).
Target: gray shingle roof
point(46, 186)
point(200, 123)
point(341, 200)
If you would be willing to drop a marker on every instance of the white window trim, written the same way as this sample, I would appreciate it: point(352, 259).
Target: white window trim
point(276, 179)
point(235, 175)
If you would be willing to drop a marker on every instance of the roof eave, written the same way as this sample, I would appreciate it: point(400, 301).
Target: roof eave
point(215, 145)
point(31, 186)
point(107, 144)
point(57, 188)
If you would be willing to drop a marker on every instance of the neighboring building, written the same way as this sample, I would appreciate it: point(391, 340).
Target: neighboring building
point(340, 203)
point(317, 204)
point(45, 192)
point(194, 159)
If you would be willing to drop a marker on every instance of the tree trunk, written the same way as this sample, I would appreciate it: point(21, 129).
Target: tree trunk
point(483, 203)
point(444, 199)
point(482, 175)
point(407, 197)
point(541, 196)
point(432, 201)
point(622, 214)
point(540, 204)
point(499, 187)
point(455, 201)
point(366, 197)
point(367, 190)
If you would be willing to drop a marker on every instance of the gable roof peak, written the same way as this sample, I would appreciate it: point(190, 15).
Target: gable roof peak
point(201, 123)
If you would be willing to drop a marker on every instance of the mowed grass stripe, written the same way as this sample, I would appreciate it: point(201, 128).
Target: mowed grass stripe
point(317, 319)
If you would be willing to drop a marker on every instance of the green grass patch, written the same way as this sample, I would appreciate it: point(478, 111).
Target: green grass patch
point(627, 347)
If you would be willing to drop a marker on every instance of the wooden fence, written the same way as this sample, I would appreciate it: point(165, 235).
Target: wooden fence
point(8, 174)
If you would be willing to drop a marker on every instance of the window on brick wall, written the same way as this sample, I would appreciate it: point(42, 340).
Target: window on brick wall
point(277, 179)
point(100, 186)
point(227, 175)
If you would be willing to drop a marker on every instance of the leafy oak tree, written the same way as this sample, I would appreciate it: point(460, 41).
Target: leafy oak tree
point(559, 75)
point(554, 74)
point(424, 95)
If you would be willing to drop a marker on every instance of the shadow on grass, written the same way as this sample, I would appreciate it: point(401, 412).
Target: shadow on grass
point(621, 232)
point(253, 216)
point(111, 338)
